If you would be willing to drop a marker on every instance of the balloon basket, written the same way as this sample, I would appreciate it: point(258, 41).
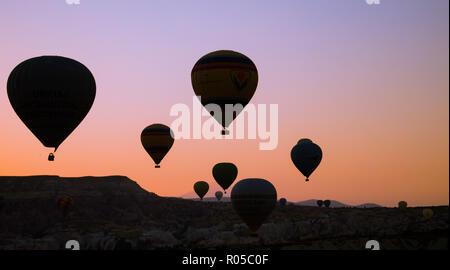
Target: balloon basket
point(225, 132)
point(157, 166)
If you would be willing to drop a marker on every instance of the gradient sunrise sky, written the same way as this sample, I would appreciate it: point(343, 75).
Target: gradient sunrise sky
point(368, 83)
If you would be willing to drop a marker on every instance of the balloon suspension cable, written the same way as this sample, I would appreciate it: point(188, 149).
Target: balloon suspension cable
point(157, 166)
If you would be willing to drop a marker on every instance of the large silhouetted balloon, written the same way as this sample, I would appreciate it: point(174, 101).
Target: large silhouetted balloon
point(327, 203)
point(319, 203)
point(201, 188)
point(224, 77)
point(306, 156)
point(253, 199)
point(283, 201)
point(225, 174)
point(157, 140)
point(219, 195)
point(51, 95)
point(64, 204)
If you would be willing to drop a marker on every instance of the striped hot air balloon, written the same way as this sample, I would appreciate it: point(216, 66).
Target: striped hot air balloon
point(224, 77)
point(157, 140)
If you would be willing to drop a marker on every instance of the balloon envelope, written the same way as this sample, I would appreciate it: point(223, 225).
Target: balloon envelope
point(51, 95)
point(320, 203)
point(327, 203)
point(283, 201)
point(219, 195)
point(306, 156)
point(402, 204)
point(224, 77)
point(304, 140)
point(253, 199)
point(157, 139)
point(225, 174)
point(201, 188)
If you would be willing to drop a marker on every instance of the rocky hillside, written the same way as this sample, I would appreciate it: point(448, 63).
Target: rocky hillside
point(115, 213)
point(336, 204)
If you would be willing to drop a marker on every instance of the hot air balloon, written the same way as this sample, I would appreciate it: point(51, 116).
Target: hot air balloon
point(253, 199)
point(64, 204)
point(319, 203)
point(51, 95)
point(224, 77)
point(219, 195)
point(306, 156)
point(283, 201)
point(402, 204)
point(427, 213)
point(327, 203)
point(201, 188)
point(157, 140)
point(225, 174)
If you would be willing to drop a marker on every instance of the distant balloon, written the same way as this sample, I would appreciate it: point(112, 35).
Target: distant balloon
point(427, 213)
point(51, 95)
point(224, 77)
point(219, 195)
point(201, 188)
point(64, 204)
point(283, 201)
point(253, 199)
point(306, 156)
point(327, 203)
point(225, 174)
point(402, 204)
point(320, 203)
point(157, 140)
